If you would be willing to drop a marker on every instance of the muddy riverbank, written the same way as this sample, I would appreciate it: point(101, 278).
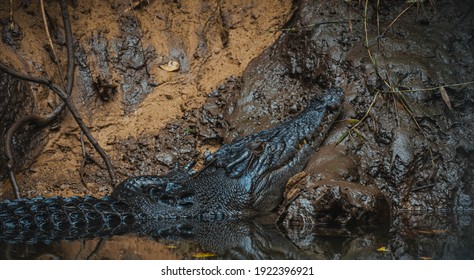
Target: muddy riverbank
point(403, 141)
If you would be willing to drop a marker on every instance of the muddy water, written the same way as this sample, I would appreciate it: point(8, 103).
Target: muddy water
point(411, 235)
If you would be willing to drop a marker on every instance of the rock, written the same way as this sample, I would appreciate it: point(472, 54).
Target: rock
point(335, 203)
point(166, 158)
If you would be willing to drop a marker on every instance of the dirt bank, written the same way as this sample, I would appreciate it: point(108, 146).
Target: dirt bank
point(125, 48)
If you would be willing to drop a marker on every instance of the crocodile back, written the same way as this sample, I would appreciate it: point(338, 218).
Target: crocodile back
point(48, 219)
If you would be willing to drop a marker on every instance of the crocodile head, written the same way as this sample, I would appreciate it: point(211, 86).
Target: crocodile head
point(265, 161)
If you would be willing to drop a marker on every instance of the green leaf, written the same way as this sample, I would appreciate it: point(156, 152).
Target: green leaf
point(344, 135)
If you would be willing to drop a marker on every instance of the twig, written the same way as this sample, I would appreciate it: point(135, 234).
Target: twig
point(399, 15)
point(354, 127)
point(80, 249)
point(422, 187)
point(395, 109)
point(372, 59)
point(367, 112)
point(69, 44)
point(97, 248)
point(309, 26)
point(410, 112)
point(84, 160)
point(378, 18)
point(53, 50)
point(430, 88)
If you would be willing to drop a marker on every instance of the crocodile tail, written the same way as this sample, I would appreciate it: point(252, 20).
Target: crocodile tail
point(46, 219)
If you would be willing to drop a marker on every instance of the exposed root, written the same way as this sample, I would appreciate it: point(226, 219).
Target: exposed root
point(66, 101)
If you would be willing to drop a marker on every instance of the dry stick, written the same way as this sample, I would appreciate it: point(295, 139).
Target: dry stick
point(431, 88)
point(84, 160)
point(399, 15)
point(69, 44)
point(309, 26)
point(56, 89)
point(410, 112)
point(367, 112)
point(97, 248)
point(378, 18)
point(372, 59)
point(53, 50)
point(354, 127)
point(82, 241)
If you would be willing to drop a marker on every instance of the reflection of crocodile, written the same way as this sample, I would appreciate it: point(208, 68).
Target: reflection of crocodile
point(242, 179)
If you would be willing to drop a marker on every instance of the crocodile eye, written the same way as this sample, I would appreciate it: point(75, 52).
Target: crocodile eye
point(257, 148)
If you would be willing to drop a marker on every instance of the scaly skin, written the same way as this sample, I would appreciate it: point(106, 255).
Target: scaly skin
point(240, 180)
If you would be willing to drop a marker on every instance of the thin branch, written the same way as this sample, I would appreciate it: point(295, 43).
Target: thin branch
point(100, 244)
point(408, 109)
point(309, 26)
point(430, 88)
point(48, 35)
point(84, 160)
point(399, 15)
point(367, 112)
point(69, 44)
point(372, 59)
point(354, 127)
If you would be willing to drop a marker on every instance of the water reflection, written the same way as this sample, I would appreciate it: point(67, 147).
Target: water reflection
point(409, 235)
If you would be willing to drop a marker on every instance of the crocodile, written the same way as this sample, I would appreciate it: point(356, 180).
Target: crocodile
point(242, 179)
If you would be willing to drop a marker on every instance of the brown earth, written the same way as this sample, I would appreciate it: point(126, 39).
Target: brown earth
point(211, 40)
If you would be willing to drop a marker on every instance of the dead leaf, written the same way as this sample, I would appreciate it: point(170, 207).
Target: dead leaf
point(351, 121)
point(432, 231)
point(383, 249)
point(425, 258)
point(171, 66)
point(445, 96)
point(204, 255)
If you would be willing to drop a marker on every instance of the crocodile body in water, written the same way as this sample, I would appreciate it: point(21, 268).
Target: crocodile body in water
point(242, 179)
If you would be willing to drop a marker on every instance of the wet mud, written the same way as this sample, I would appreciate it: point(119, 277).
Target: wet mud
point(412, 150)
